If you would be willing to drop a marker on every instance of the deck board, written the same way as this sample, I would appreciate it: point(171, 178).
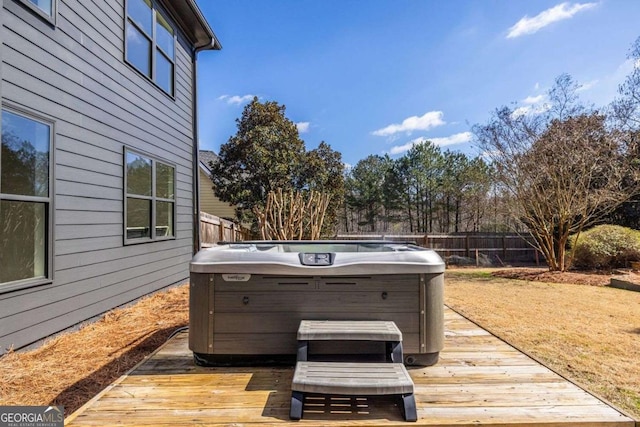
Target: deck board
point(479, 380)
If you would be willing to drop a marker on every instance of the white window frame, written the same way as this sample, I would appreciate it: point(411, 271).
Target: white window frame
point(152, 198)
point(156, 9)
point(48, 201)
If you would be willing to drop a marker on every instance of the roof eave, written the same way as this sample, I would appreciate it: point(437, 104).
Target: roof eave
point(204, 168)
point(193, 23)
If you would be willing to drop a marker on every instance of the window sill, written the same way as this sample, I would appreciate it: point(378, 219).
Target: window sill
point(23, 284)
point(171, 96)
point(50, 19)
point(128, 242)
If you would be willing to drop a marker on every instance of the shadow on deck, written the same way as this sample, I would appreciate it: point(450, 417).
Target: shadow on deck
point(479, 380)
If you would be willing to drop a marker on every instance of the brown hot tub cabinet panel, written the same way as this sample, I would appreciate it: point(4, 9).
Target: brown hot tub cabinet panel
point(247, 300)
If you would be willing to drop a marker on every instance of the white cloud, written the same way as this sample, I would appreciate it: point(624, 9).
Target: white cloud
point(532, 105)
point(531, 109)
point(529, 100)
point(458, 138)
point(557, 13)
point(398, 149)
point(425, 122)
point(236, 99)
point(303, 127)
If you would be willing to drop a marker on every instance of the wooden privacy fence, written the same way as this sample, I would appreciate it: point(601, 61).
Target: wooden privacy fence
point(214, 229)
point(498, 247)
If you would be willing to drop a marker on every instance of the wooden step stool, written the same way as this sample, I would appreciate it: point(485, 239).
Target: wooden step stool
point(350, 330)
point(339, 378)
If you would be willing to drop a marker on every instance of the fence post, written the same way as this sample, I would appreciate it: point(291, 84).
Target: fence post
point(504, 247)
point(466, 246)
point(220, 230)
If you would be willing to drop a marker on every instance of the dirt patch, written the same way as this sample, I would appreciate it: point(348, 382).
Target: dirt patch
point(73, 367)
point(592, 278)
point(589, 334)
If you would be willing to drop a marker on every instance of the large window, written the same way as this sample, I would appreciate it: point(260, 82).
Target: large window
point(25, 199)
point(150, 198)
point(150, 43)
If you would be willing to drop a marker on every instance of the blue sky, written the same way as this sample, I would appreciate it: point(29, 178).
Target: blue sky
point(375, 76)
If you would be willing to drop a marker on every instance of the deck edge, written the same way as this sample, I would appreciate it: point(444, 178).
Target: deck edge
point(633, 422)
point(122, 377)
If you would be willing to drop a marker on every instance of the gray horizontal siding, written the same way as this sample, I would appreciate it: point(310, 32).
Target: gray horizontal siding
point(75, 74)
point(108, 115)
point(183, 227)
point(114, 277)
point(70, 316)
point(93, 204)
point(93, 259)
point(184, 187)
point(88, 244)
point(25, 97)
point(87, 177)
point(100, 260)
point(112, 72)
point(1, 44)
point(106, 32)
point(86, 217)
point(95, 63)
point(88, 190)
point(110, 13)
point(76, 232)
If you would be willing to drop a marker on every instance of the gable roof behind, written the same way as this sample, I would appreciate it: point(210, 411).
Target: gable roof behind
point(207, 156)
point(187, 14)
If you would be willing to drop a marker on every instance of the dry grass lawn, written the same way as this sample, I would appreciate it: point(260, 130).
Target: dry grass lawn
point(589, 334)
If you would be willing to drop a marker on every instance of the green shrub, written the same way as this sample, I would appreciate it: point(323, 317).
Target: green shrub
point(606, 247)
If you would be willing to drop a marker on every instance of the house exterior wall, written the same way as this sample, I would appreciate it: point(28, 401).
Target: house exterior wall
point(74, 74)
point(1, 48)
point(209, 203)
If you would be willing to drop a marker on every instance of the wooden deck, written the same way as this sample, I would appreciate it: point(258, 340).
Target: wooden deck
point(479, 380)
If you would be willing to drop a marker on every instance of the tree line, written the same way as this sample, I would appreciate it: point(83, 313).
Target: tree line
point(424, 191)
point(552, 172)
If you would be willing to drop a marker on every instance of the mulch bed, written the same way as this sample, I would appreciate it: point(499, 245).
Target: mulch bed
point(73, 367)
point(590, 278)
point(595, 278)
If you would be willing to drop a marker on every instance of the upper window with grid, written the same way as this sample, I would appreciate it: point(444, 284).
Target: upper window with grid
point(150, 43)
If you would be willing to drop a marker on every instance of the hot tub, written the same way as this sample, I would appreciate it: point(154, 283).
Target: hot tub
point(247, 299)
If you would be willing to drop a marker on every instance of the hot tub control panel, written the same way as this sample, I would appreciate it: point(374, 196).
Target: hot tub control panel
point(319, 259)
